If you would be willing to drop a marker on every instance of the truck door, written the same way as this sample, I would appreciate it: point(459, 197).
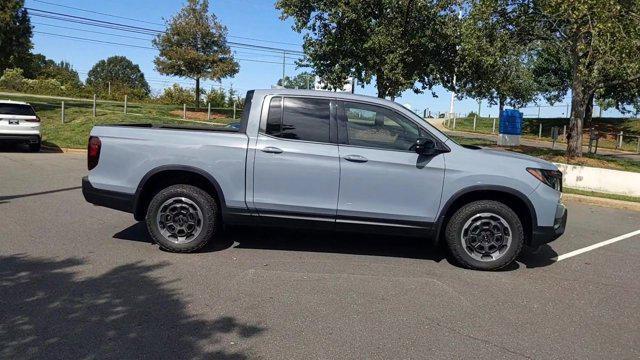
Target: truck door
point(384, 183)
point(296, 165)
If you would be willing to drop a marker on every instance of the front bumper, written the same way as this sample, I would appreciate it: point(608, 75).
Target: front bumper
point(110, 199)
point(546, 234)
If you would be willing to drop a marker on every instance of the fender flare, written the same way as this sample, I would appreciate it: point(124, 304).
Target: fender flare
point(184, 168)
point(479, 188)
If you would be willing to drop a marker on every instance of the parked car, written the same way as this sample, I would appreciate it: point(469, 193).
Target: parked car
point(331, 161)
point(19, 124)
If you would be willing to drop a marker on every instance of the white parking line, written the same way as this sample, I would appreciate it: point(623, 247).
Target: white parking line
point(595, 246)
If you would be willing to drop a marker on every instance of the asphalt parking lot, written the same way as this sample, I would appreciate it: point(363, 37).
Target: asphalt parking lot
point(78, 281)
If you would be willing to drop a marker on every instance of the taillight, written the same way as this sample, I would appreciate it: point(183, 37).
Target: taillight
point(93, 152)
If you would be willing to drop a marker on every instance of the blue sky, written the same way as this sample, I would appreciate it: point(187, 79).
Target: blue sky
point(256, 19)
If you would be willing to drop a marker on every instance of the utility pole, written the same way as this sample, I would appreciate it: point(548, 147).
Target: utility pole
point(453, 92)
point(479, 106)
point(284, 58)
point(109, 88)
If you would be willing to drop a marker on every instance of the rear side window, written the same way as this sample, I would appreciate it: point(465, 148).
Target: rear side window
point(16, 109)
point(300, 119)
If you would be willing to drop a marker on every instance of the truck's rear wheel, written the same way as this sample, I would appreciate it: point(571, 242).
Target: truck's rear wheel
point(182, 218)
point(485, 235)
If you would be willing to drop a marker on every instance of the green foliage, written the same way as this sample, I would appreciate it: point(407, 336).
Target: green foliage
point(398, 43)
point(15, 34)
point(493, 54)
point(125, 77)
point(12, 79)
point(177, 95)
point(303, 80)
point(63, 72)
point(216, 97)
point(195, 46)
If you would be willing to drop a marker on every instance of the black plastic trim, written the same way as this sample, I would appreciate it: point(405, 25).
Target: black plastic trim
point(185, 168)
point(476, 188)
point(106, 198)
point(546, 234)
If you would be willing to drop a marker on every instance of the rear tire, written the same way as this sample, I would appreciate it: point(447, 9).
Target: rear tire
point(182, 218)
point(35, 147)
point(485, 235)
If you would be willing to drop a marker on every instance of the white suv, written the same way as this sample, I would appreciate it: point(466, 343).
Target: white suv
point(19, 123)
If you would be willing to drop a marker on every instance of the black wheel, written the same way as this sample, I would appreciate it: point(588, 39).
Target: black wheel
point(485, 235)
point(182, 218)
point(35, 147)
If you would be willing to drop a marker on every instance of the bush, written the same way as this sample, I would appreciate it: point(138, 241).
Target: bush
point(217, 98)
point(177, 95)
point(12, 79)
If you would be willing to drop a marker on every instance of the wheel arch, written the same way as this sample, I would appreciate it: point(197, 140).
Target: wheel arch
point(166, 175)
point(516, 200)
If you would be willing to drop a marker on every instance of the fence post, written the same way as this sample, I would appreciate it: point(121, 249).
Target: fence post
point(125, 104)
point(234, 110)
point(564, 133)
point(94, 105)
point(493, 129)
point(474, 122)
point(620, 143)
point(208, 111)
point(540, 131)
point(568, 115)
point(184, 111)
point(638, 146)
point(62, 113)
point(454, 122)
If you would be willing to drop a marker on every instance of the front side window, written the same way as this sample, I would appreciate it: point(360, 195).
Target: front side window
point(378, 127)
point(299, 119)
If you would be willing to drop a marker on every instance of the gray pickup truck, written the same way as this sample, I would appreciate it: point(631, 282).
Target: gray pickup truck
point(323, 160)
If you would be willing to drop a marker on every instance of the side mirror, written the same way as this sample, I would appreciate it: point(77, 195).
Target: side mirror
point(425, 146)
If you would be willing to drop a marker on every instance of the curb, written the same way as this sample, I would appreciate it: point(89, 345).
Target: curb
point(610, 203)
point(63, 150)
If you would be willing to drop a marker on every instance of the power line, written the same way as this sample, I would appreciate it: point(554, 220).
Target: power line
point(144, 47)
point(154, 23)
point(132, 28)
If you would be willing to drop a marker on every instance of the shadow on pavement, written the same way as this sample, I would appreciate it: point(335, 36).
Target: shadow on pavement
point(48, 311)
point(11, 197)
point(339, 243)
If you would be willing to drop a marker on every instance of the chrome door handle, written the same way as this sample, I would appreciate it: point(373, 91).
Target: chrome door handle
point(356, 158)
point(272, 150)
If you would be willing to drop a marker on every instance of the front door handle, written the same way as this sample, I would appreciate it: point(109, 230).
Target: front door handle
point(272, 150)
point(356, 158)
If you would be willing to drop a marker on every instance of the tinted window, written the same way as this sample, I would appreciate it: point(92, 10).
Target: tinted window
point(377, 127)
point(16, 109)
point(274, 119)
point(306, 119)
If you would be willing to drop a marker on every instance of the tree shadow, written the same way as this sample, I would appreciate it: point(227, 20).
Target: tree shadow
point(48, 311)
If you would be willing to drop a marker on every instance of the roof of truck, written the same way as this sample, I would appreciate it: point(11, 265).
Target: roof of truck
point(2, 101)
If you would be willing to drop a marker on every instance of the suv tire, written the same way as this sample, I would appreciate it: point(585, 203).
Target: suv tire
point(484, 235)
point(35, 147)
point(182, 218)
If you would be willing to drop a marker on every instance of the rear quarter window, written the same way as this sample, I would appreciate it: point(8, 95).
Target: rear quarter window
point(17, 109)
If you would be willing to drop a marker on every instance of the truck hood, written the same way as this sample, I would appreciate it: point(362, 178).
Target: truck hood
point(540, 163)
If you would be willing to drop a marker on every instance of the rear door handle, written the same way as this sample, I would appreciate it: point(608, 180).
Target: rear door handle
point(272, 150)
point(356, 158)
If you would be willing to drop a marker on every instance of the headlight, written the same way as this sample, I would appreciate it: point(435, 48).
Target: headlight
point(552, 178)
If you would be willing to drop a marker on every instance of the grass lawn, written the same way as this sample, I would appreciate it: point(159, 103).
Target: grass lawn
point(79, 118)
point(601, 161)
point(607, 127)
point(601, 195)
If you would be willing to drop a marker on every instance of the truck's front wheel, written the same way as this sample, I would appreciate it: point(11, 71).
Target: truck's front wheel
point(485, 235)
point(182, 218)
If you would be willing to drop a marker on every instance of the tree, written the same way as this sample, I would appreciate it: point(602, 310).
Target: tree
point(15, 34)
point(399, 43)
point(494, 55)
point(304, 80)
point(599, 39)
point(121, 74)
point(195, 46)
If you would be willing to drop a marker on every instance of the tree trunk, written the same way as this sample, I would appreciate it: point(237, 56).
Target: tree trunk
point(588, 114)
point(501, 101)
point(382, 90)
point(579, 100)
point(197, 93)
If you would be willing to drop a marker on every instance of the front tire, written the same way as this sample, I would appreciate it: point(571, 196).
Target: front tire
point(182, 218)
point(485, 235)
